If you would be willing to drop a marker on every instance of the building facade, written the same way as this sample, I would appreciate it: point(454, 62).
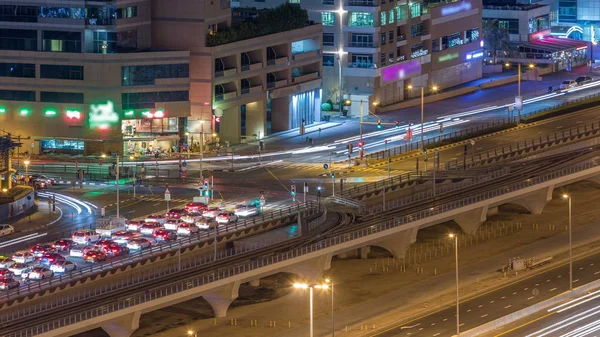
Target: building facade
point(373, 49)
point(91, 77)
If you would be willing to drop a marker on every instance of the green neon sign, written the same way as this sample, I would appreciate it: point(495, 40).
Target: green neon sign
point(130, 113)
point(24, 112)
point(448, 57)
point(50, 112)
point(103, 115)
point(2, 110)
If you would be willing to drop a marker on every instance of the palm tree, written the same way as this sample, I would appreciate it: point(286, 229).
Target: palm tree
point(495, 38)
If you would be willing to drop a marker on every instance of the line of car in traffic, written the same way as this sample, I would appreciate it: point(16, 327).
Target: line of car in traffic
point(581, 80)
point(46, 260)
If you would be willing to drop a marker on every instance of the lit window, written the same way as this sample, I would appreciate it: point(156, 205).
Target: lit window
point(328, 18)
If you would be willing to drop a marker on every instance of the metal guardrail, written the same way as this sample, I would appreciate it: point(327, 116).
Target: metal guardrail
point(207, 278)
point(440, 189)
point(580, 130)
point(81, 272)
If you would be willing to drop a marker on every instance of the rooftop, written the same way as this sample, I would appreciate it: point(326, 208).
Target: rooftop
point(514, 7)
point(256, 23)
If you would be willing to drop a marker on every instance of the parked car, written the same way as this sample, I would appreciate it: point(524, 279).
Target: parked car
point(63, 266)
point(150, 227)
point(187, 229)
point(139, 244)
point(85, 236)
point(40, 250)
point(8, 283)
point(23, 257)
point(80, 251)
point(195, 207)
point(581, 80)
point(567, 84)
point(175, 213)
point(156, 218)
point(116, 250)
point(172, 224)
point(39, 273)
point(227, 217)
point(63, 245)
point(162, 235)
point(135, 225)
point(20, 269)
point(50, 258)
point(122, 237)
point(6, 230)
point(94, 256)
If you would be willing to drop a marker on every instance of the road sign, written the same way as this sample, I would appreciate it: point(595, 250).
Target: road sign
point(184, 164)
point(519, 102)
point(326, 166)
point(167, 195)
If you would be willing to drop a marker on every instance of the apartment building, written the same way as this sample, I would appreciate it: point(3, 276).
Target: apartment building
point(138, 76)
point(374, 49)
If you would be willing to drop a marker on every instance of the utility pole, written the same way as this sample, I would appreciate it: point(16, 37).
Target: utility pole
point(117, 183)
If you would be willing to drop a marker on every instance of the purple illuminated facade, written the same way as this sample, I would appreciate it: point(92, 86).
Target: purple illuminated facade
point(401, 71)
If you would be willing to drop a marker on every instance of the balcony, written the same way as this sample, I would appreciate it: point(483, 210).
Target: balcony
point(360, 69)
point(252, 90)
point(278, 61)
point(306, 55)
point(363, 44)
point(401, 40)
point(363, 3)
point(306, 77)
point(253, 66)
point(422, 32)
point(226, 96)
point(227, 72)
point(277, 84)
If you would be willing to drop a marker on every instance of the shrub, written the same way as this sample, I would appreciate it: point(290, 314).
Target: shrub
point(326, 106)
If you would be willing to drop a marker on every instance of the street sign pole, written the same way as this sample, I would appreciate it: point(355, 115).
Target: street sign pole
point(167, 198)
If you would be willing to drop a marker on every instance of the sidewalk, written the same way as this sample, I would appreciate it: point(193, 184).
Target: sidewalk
point(37, 218)
point(374, 298)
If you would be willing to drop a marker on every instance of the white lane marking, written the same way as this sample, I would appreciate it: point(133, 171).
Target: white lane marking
point(529, 298)
point(508, 306)
point(484, 316)
point(552, 289)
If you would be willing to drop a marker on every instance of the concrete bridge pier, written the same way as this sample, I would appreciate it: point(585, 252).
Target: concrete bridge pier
point(123, 326)
point(536, 201)
point(471, 220)
point(398, 244)
point(311, 270)
point(255, 283)
point(221, 298)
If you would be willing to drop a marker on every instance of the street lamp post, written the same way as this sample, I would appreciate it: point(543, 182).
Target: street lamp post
point(534, 68)
point(434, 89)
point(455, 237)
point(328, 281)
point(192, 333)
point(310, 287)
point(27, 162)
point(568, 197)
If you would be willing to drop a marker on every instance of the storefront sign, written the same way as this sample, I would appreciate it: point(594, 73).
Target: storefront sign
point(102, 115)
point(456, 8)
point(448, 57)
point(539, 35)
point(418, 53)
point(401, 71)
point(474, 55)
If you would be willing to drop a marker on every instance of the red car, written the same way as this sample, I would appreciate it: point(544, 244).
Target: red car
point(195, 207)
point(175, 213)
point(116, 250)
point(103, 244)
point(40, 250)
point(94, 256)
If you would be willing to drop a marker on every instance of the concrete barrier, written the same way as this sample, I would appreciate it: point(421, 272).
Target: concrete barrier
point(517, 315)
point(500, 82)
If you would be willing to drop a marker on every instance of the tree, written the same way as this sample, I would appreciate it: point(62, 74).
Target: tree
point(495, 38)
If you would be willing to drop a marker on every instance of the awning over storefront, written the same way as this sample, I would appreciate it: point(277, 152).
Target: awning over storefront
point(552, 45)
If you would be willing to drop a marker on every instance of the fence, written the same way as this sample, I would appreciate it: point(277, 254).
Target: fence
point(200, 280)
point(201, 237)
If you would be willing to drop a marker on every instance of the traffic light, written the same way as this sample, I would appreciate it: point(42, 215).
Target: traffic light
point(379, 124)
point(293, 190)
point(397, 125)
point(425, 151)
point(332, 175)
point(206, 184)
point(361, 143)
point(350, 149)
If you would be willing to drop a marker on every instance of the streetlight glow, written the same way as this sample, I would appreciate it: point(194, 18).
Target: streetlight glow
point(190, 332)
point(451, 235)
point(531, 66)
point(300, 285)
point(565, 196)
point(103, 155)
point(26, 162)
point(434, 88)
point(507, 64)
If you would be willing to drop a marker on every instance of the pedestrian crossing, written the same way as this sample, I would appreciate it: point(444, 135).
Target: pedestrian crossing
point(319, 170)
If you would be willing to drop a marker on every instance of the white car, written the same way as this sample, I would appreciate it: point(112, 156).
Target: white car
point(187, 229)
point(134, 226)
point(246, 210)
point(5, 262)
point(157, 218)
point(20, 269)
point(211, 212)
point(568, 84)
point(204, 224)
point(80, 251)
point(23, 257)
point(172, 224)
point(122, 237)
point(84, 237)
point(227, 217)
point(63, 267)
point(139, 244)
point(191, 218)
point(6, 230)
point(149, 227)
point(39, 273)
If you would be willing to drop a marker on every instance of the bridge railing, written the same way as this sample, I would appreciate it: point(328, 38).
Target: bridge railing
point(200, 280)
point(31, 287)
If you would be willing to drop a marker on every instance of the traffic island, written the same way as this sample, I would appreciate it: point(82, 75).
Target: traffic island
point(16, 201)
